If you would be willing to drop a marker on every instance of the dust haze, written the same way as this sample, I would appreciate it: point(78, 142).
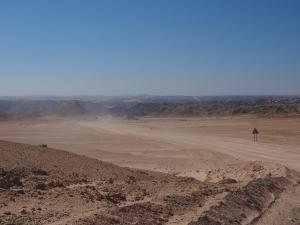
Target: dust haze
point(150, 160)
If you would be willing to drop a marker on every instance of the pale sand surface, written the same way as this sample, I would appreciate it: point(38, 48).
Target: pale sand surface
point(210, 150)
point(184, 146)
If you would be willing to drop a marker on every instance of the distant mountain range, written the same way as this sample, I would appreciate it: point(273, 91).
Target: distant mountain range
point(136, 106)
point(13, 109)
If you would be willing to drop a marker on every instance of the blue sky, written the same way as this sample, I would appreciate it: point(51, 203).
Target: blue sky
point(160, 47)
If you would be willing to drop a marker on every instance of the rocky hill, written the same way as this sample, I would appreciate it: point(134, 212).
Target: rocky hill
point(285, 107)
point(151, 106)
point(16, 109)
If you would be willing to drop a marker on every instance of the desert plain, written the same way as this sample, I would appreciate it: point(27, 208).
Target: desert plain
point(172, 145)
point(173, 170)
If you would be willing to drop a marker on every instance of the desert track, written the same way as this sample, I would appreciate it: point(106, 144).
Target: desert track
point(236, 147)
point(216, 152)
point(185, 146)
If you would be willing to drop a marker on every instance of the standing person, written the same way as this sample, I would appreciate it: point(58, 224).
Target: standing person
point(255, 134)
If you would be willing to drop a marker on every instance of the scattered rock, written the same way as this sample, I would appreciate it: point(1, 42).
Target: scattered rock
point(23, 212)
point(228, 181)
point(40, 186)
point(7, 213)
point(10, 178)
point(115, 198)
point(43, 146)
point(37, 171)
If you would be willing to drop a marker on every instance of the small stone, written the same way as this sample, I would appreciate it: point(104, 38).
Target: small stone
point(23, 212)
point(40, 186)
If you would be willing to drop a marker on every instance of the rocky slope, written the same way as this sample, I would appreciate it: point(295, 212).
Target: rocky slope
point(46, 186)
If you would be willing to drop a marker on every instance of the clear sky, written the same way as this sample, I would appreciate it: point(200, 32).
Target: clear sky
point(160, 47)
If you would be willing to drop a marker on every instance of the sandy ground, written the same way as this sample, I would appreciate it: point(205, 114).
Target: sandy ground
point(40, 185)
point(188, 147)
point(47, 186)
point(285, 211)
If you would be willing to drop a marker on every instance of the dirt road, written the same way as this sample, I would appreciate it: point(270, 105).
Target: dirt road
point(188, 147)
point(236, 147)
